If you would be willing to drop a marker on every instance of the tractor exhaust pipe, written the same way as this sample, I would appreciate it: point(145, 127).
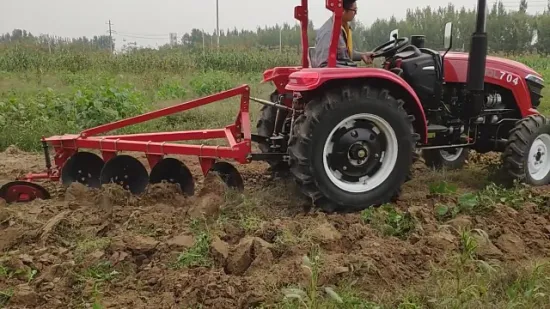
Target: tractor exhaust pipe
point(478, 57)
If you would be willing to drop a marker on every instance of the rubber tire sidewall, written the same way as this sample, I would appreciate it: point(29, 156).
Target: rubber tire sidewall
point(404, 157)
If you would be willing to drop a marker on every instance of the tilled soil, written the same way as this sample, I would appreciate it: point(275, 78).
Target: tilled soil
point(220, 249)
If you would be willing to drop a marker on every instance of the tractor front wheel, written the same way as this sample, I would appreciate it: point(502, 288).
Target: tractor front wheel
point(352, 148)
point(452, 158)
point(527, 154)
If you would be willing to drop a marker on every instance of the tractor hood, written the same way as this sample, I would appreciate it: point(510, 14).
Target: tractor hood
point(503, 63)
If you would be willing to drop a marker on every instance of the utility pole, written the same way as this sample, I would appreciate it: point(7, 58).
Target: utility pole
point(218, 22)
point(111, 37)
point(281, 40)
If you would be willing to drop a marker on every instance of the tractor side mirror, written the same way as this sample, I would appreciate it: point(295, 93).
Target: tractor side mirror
point(448, 35)
point(394, 35)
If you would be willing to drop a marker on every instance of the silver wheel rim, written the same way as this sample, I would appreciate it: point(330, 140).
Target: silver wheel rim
point(448, 156)
point(385, 162)
point(538, 163)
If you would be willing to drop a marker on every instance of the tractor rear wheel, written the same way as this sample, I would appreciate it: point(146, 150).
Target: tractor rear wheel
point(527, 154)
point(265, 126)
point(352, 148)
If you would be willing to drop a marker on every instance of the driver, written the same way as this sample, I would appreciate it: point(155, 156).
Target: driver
point(345, 52)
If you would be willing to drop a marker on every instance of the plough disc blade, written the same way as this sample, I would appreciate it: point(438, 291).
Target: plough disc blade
point(173, 171)
point(83, 167)
point(127, 172)
point(229, 174)
point(23, 191)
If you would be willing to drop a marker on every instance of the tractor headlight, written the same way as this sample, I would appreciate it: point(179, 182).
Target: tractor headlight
point(535, 79)
point(535, 85)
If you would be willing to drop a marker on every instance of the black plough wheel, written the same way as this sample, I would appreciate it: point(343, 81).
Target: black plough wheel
point(352, 148)
point(23, 191)
point(127, 172)
point(228, 174)
point(82, 167)
point(527, 154)
point(173, 171)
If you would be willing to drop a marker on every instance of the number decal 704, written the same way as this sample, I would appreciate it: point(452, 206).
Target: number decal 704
point(503, 75)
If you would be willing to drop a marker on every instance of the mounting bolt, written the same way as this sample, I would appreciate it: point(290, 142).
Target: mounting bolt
point(354, 133)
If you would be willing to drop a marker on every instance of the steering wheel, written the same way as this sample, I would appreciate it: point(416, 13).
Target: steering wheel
point(390, 47)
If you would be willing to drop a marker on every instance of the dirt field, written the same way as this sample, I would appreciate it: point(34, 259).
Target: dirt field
point(219, 249)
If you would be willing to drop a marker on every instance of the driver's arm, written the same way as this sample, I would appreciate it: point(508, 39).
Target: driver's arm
point(357, 56)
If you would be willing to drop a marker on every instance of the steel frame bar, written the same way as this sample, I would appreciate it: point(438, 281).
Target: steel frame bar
point(158, 144)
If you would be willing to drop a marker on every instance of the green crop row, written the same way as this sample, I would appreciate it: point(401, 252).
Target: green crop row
point(13, 59)
point(66, 92)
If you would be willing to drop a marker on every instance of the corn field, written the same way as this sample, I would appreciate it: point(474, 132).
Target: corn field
point(43, 93)
point(16, 59)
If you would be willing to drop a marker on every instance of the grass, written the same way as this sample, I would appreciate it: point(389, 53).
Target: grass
point(467, 282)
point(67, 93)
point(65, 102)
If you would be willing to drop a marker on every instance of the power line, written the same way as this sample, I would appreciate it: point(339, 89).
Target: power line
point(140, 34)
point(145, 38)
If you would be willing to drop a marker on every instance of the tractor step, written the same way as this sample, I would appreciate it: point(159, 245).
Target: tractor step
point(435, 128)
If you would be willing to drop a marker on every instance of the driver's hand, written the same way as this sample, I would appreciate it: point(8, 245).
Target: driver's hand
point(367, 57)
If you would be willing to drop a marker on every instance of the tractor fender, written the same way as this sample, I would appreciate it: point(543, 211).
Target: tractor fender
point(279, 76)
point(311, 79)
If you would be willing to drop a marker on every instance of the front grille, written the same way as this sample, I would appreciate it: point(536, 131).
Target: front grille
point(535, 90)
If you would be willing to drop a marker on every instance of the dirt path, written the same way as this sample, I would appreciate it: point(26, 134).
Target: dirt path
point(159, 251)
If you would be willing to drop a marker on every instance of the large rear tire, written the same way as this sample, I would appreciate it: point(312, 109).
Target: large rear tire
point(527, 154)
point(352, 148)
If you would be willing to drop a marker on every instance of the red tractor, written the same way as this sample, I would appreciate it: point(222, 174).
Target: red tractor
point(348, 135)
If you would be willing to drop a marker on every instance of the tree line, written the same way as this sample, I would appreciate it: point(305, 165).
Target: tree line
point(510, 32)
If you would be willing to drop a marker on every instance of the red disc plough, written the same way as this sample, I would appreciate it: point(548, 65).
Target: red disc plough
point(72, 164)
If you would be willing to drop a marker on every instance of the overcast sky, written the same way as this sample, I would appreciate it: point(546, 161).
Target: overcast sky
point(149, 22)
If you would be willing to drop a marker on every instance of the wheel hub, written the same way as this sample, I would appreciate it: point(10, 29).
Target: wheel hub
point(356, 151)
point(538, 163)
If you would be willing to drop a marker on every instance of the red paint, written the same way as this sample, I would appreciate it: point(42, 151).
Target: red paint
point(279, 77)
point(22, 191)
point(153, 159)
point(301, 14)
point(206, 164)
point(503, 72)
point(157, 145)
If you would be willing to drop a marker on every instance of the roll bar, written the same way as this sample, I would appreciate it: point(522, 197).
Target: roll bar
point(478, 47)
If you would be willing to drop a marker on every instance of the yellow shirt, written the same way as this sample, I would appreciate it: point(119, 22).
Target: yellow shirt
point(349, 37)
